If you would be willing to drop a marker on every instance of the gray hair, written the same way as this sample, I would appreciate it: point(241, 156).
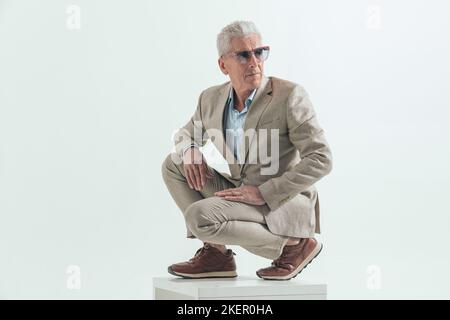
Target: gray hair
point(235, 29)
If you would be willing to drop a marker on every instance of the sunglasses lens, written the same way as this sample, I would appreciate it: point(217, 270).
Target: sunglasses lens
point(264, 53)
point(260, 54)
point(243, 55)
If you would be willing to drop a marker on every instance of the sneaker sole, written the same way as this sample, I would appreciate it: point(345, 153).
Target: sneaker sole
point(299, 269)
point(217, 274)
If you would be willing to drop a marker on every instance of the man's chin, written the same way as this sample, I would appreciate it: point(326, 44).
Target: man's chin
point(254, 80)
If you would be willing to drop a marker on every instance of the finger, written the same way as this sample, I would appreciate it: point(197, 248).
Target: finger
point(186, 175)
point(193, 179)
point(222, 193)
point(235, 198)
point(225, 191)
point(197, 178)
point(189, 176)
point(230, 193)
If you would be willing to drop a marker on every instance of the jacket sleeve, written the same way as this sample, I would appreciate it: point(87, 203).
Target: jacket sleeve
point(308, 138)
point(191, 134)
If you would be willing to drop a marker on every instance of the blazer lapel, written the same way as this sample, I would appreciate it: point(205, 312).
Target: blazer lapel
point(219, 138)
point(262, 98)
point(259, 104)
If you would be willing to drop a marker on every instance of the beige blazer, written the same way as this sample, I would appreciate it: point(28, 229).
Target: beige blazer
point(304, 154)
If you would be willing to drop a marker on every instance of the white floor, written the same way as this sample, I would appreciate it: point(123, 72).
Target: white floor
point(242, 287)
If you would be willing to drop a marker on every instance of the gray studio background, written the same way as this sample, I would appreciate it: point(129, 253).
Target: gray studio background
point(91, 92)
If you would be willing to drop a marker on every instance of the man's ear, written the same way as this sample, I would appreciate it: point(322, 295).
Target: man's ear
point(222, 66)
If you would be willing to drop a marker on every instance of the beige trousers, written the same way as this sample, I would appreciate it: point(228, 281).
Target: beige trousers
point(215, 220)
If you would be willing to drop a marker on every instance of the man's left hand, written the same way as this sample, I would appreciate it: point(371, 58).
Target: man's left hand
point(246, 194)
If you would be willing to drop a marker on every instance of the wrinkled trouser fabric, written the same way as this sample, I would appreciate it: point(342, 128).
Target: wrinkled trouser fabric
point(215, 220)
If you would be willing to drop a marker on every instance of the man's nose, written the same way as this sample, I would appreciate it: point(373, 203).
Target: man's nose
point(252, 60)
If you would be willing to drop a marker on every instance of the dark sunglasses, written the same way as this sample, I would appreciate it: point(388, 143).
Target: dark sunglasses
point(261, 54)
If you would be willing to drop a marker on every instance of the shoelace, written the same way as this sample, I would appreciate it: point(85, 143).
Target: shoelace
point(200, 252)
point(281, 263)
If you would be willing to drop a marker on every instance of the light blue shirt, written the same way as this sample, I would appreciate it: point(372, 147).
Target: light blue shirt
point(234, 124)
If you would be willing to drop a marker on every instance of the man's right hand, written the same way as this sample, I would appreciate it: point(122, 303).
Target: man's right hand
point(195, 168)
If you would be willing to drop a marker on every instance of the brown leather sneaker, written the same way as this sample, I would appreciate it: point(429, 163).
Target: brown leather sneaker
point(292, 260)
point(208, 262)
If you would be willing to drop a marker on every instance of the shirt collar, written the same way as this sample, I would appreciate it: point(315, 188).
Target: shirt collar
point(248, 101)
